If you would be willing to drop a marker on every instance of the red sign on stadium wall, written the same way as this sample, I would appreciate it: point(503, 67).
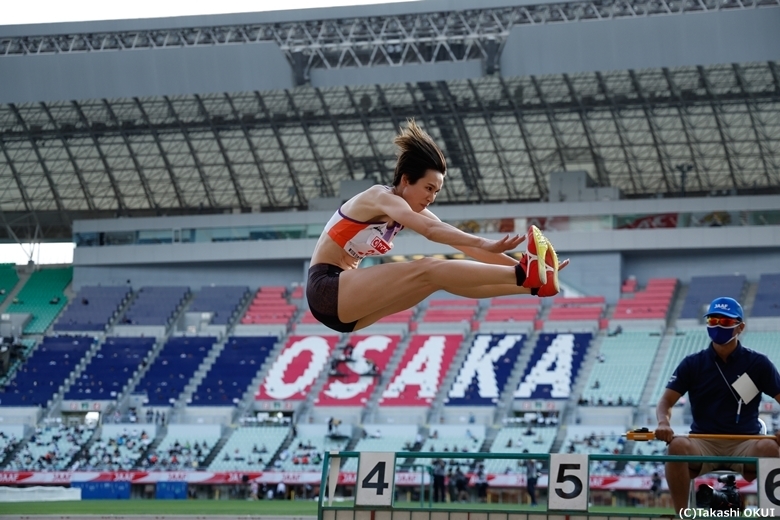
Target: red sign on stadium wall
point(346, 478)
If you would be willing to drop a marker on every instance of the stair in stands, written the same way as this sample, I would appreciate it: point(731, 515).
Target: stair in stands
point(507, 398)
point(424, 432)
point(9, 297)
point(83, 453)
point(357, 434)
point(369, 412)
point(676, 308)
point(560, 437)
point(161, 433)
point(247, 402)
point(196, 379)
point(655, 371)
point(54, 407)
point(578, 385)
point(282, 447)
point(749, 298)
point(435, 412)
point(304, 409)
point(11, 454)
point(226, 433)
point(123, 399)
point(490, 435)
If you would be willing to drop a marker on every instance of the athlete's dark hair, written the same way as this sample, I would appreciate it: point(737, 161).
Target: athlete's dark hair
point(417, 153)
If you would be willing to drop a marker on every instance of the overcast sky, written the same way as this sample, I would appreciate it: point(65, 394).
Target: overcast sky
point(50, 11)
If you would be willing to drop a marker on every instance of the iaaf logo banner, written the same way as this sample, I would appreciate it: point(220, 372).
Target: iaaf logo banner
point(8, 478)
point(235, 477)
point(348, 478)
point(61, 477)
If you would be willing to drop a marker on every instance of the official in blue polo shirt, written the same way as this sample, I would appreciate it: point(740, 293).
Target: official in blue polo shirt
point(724, 383)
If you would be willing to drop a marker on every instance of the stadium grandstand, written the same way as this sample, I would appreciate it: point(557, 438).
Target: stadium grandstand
point(194, 162)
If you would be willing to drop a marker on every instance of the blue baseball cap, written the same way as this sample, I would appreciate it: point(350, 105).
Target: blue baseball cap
point(726, 307)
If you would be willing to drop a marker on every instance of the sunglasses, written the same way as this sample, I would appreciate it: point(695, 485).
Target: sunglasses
point(723, 321)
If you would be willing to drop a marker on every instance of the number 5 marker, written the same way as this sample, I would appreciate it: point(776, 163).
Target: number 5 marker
point(567, 488)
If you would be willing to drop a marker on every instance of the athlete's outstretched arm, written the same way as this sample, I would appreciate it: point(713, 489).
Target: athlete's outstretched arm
point(437, 231)
point(485, 256)
point(478, 253)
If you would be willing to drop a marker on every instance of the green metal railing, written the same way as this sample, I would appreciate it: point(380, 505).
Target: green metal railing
point(483, 508)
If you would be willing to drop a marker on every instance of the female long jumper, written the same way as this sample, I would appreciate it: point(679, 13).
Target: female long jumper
point(346, 299)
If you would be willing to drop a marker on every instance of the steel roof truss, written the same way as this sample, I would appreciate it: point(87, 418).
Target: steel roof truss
point(721, 124)
point(269, 193)
point(103, 160)
point(242, 203)
point(766, 158)
point(634, 172)
point(380, 163)
point(663, 159)
point(297, 189)
point(506, 172)
point(326, 187)
point(337, 132)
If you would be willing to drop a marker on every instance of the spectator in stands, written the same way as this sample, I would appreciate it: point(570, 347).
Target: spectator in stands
point(345, 298)
point(373, 370)
point(461, 483)
point(531, 477)
point(655, 488)
point(482, 483)
point(439, 472)
point(451, 485)
point(724, 381)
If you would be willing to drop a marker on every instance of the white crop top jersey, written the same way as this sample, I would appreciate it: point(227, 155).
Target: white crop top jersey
point(361, 239)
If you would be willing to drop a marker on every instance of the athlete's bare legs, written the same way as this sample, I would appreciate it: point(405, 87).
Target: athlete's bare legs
point(362, 292)
point(367, 295)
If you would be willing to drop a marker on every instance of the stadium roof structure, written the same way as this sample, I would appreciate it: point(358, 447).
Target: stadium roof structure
point(672, 131)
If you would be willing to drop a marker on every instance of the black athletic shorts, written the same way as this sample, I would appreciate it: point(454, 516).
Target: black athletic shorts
point(322, 293)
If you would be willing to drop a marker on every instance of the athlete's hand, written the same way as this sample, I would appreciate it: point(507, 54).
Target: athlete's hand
point(664, 432)
point(507, 243)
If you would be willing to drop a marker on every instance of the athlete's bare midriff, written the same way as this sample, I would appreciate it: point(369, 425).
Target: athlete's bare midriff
point(329, 252)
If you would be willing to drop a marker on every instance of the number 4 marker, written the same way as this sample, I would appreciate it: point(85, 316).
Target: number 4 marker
point(376, 475)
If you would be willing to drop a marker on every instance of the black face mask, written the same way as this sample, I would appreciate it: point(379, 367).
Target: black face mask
point(720, 335)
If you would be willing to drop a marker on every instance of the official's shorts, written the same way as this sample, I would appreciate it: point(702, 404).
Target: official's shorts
point(723, 448)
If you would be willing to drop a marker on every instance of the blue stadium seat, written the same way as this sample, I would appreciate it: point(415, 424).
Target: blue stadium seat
point(173, 368)
point(45, 371)
point(111, 369)
point(233, 370)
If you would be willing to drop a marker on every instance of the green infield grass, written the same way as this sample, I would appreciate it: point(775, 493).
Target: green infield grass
point(243, 507)
point(162, 507)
